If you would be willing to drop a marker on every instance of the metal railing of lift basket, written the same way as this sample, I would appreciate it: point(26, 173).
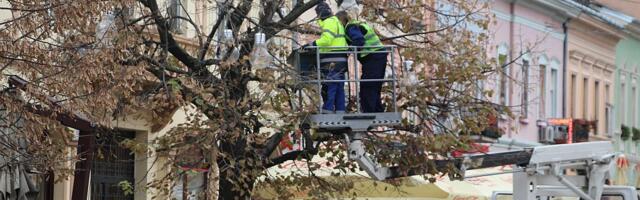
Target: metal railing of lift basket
point(354, 51)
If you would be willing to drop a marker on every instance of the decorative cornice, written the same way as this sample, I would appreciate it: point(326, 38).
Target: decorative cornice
point(576, 55)
point(591, 63)
point(529, 23)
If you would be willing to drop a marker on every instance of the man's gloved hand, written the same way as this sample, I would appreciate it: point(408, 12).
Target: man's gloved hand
point(308, 45)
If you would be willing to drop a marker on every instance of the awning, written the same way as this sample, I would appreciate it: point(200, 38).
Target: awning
point(415, 187)
point(366, 188)
point(15, 184)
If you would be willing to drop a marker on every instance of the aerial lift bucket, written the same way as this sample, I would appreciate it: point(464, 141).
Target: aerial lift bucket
point(304, 60)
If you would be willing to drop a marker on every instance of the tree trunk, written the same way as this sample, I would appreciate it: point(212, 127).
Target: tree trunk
point(236, 180)
point(228, 191)
point(213, 181)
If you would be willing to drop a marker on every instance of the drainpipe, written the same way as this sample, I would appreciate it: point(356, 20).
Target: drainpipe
point(565, 45)
point(511, 48)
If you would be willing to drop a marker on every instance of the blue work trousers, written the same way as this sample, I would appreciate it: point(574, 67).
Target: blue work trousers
point(373, 67)
point(333, 93)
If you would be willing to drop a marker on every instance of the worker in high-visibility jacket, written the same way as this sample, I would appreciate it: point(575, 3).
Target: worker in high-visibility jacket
point(333, 66)
point(373, 61)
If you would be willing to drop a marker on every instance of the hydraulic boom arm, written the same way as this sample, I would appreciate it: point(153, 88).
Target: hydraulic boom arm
point(539, 167)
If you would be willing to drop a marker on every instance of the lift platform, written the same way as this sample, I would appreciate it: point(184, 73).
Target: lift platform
point(540, 171)
point(307, 60)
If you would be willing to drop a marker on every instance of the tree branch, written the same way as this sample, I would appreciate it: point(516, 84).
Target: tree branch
point(237, 16)
point(212, 33)
point(272, 143)
point(167, 39)
point(307, 153)
point(285, 157)
point(297, 11)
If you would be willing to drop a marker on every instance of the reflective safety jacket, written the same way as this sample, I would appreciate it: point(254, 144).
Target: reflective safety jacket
point(370, 37)
point(332, 35)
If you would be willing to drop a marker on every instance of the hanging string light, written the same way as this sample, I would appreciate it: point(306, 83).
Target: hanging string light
point(105, 25)
point(235, 54)
point(410, 78)
point(260, 57)
point(227, 36)
point(227, 41)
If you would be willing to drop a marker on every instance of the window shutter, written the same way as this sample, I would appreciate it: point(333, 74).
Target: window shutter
point(128, 13)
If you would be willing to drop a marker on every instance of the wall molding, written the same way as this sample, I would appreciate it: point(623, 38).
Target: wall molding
point(529, 23)
point(592, 62)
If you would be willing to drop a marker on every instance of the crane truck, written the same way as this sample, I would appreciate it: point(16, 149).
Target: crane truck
point(541, 172)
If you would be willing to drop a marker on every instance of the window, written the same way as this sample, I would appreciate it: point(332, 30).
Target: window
point(543, 90)
point(572, 105)
point(553, 93)
point(525, 88)
point(194, 187)
point(596, 103)
point(201, 14)
point(114, 166)
point(585, 98)
point(177, 8)
point(190, 182)
point(607, 113)
point(504, 73)
point(632, 107)
point(452, 15)
point(623, 96)
point(480, 89)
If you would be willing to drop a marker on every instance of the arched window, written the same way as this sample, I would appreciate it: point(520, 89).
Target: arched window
point(503, 74)
point(542, 79)
point(524, 92)
point(554, 90)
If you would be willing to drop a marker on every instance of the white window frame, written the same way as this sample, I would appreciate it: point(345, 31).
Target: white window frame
point(623, 96)
point(633, 103)
point(586, 80)
point(177, 25)
point(525, 71)
point(609, 114)
point(503, 49)
point(554, 65)
point(597, 84)
point(573, 83)
point(543, 75)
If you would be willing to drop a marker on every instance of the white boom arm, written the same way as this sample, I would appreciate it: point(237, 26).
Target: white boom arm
point(541, 166)
point(548, 168)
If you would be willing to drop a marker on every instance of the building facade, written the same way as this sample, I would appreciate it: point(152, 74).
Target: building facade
point(590, 72)
point(627, 82)
point(558, 59)
point(528, 37)
point(139, 169)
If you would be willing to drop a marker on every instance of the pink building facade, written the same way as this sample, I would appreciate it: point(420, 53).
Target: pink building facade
point(528, 43)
